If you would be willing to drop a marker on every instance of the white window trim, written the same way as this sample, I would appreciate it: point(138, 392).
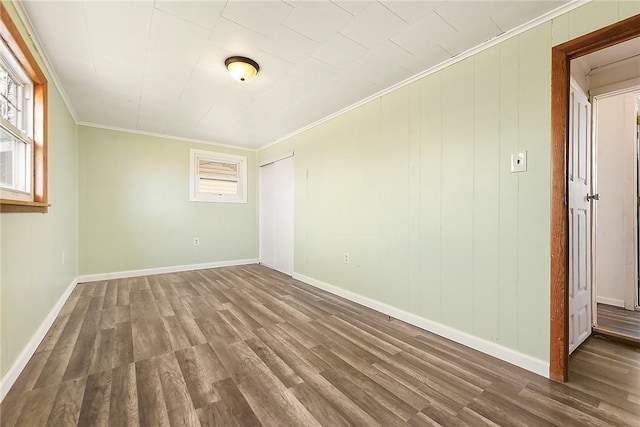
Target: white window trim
point(196, 196)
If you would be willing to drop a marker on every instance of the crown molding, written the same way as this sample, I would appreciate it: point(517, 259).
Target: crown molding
point(160, 135)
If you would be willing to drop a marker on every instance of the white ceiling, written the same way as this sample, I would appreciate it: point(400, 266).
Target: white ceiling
point(158, 66)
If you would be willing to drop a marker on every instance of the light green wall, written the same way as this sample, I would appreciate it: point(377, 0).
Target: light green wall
point(135, 211)
point(416, 187)
point(32, 275)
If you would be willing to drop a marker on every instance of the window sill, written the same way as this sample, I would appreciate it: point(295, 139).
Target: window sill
point(7, 205)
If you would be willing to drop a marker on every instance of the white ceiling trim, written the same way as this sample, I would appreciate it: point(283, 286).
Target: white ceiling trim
point(573, 4)
point(160, 135)
point(33, 35)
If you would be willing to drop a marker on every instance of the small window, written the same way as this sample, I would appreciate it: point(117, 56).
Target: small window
point(23, 121)
point(218, 177)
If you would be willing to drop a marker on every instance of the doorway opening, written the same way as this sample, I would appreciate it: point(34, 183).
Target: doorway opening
point(615, 276)
point(561, 56)
point(609, 82)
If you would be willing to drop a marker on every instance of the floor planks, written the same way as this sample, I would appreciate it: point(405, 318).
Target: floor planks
point(247, 346)
point(619, 321)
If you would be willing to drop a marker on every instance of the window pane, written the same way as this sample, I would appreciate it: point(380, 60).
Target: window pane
point(6, 164)
point(218, 170)
point(9, 97)
point(217, 177)
point(15, 162)
point(215, 186)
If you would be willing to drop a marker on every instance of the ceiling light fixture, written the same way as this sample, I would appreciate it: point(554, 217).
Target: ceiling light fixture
point(242, 68)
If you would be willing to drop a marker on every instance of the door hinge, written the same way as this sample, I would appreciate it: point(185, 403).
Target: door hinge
point(565, 200)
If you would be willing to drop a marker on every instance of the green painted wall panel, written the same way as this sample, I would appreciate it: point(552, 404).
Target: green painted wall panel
point(592, 16)
point(533, 187)
point(135, 211)
point(457, 195)
point(628, 8)
point(430, 231)
point(486, 194)
point(507, 303)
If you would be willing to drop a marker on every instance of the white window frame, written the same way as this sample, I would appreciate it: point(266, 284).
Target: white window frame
point(23, 129)
point(197, 196)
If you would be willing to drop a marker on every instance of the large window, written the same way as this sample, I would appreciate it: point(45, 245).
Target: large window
point(218, 177)
point(23, 98)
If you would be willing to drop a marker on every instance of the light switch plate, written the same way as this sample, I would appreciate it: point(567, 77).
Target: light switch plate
point(519, 162)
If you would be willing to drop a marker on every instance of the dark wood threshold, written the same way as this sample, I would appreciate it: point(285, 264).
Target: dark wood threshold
point(616, 336)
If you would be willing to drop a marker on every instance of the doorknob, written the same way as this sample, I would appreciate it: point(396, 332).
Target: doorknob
point(593, 197)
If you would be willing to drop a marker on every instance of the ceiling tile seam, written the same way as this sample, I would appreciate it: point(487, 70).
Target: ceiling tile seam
point(261, 49)
point(435, 12)
point(93, 60)
point(33, 35)
point(144, 67)
point(166, 136)
point(284, 24)
point(301, 34)
point(567, 7)
point(182, 19)
point(254, 30)
point(188, 79)
point(399, 17)
point(496, 24)
point(412, 54)
point(337, 4)
point(356, 42)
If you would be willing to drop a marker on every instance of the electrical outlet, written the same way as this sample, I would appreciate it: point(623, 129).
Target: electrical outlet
point(346, 257)
point(196, 241)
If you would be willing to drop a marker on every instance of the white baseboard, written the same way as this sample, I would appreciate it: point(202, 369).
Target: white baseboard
point(25, 355)
point(163, 270)
point(610, 301)
point(514, 357)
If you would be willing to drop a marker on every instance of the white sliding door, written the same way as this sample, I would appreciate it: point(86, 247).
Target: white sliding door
point(276, 215)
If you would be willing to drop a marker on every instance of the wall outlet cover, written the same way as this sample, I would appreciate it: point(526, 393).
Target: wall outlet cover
point(519, 161)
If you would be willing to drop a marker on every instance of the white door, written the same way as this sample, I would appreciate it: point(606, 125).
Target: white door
point(276, 215)
point(267, 214)
point(579, 218)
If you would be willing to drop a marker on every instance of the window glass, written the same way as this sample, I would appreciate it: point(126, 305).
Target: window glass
point(218, 177)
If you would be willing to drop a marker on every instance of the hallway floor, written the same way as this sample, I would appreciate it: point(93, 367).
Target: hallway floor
point(619, 320)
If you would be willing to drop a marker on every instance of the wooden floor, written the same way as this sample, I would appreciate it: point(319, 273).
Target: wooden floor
point(246, 346)
point(620, 321)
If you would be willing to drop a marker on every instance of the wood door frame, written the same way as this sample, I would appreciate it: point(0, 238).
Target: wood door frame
point(561, 56)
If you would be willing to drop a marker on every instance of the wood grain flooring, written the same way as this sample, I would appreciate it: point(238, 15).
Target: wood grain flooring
point(621, 322)
point(247, 346)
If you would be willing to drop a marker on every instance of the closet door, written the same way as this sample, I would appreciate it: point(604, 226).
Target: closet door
point(276, 215)
point(267, 214)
